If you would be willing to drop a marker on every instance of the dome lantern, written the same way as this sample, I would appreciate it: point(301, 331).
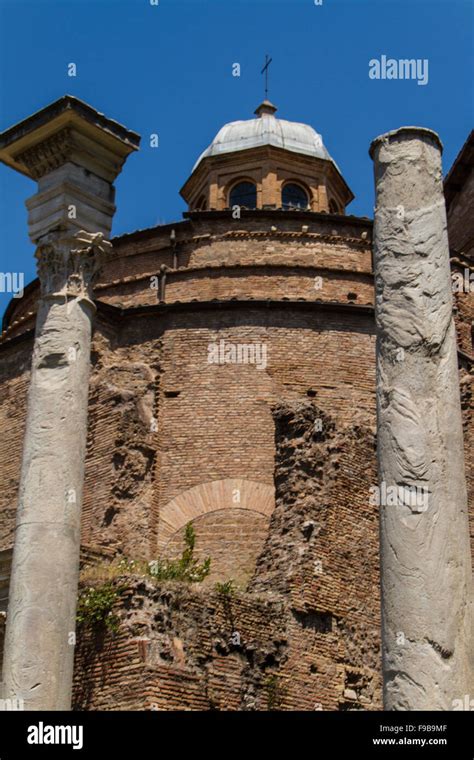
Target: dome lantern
point(266, 108)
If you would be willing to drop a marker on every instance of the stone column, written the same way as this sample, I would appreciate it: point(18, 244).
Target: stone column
point(75, 153)
point(39, 641)
point(425, 557)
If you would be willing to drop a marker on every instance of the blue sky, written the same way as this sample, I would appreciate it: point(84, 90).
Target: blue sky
point(167, 69)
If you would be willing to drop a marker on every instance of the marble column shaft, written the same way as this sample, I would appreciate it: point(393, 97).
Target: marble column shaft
point(39, 642)
point(425, 554)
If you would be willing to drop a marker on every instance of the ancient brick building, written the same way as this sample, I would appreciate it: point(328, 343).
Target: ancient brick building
point(233, 387)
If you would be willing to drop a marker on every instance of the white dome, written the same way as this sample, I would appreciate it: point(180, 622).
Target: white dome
point(267, 130)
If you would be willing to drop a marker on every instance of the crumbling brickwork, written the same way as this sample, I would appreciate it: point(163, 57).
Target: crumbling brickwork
point(304, 636)
point(322, 554)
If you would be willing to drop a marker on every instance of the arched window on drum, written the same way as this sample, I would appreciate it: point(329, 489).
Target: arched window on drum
point(294, 197)
point(243, 194)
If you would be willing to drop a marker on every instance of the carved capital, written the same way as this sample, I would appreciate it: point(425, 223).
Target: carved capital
point(68, 265)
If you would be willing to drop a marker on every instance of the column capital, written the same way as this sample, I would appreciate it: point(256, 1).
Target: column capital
point(68, 264)
point(75, 154)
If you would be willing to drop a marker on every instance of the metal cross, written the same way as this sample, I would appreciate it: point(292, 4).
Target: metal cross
point(265, 69)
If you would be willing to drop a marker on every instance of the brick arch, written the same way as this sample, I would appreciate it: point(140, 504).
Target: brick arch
point(213, 496)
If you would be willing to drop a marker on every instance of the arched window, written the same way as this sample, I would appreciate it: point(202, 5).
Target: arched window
point(333, 207)
point(294, 197)
point(243, 194)
point(201, 204)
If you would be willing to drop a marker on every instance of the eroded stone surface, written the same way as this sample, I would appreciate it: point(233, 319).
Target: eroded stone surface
point(38, 657)
point(425, 558)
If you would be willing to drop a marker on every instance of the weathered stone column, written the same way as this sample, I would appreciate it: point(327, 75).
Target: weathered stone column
point(425, 557)
point(43, 590)
point(75, 153)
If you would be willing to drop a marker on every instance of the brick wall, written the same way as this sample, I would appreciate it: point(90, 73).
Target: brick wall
point(15, 373)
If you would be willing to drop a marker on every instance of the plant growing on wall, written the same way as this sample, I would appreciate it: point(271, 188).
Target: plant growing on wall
point(95, 605)
point(276, 692)
point(226, 588)
point(187, 568)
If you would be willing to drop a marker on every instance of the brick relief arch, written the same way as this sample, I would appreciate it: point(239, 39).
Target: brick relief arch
point(214, 496)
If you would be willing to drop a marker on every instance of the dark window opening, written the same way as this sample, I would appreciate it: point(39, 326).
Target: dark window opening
point(294, 197)
point(244, 195)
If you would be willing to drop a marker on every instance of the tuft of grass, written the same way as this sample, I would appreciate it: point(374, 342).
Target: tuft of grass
point(227, 588)
point(108, 571)
point(186, 569)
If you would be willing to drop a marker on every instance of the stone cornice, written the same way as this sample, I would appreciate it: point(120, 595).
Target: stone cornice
point(67, 129)
point(311, 236)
